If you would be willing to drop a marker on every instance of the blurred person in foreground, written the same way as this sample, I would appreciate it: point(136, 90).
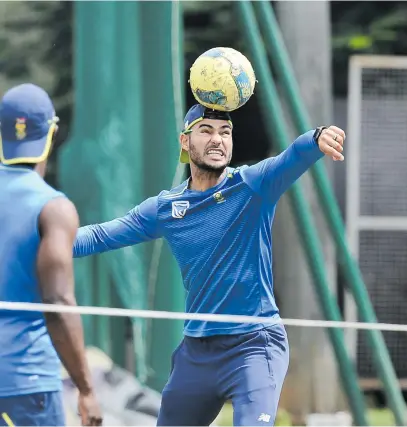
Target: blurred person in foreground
point(218, 225)
point(38, 226)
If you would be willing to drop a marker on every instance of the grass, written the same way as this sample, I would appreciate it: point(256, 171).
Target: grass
point(225, 418)
point(377, 417)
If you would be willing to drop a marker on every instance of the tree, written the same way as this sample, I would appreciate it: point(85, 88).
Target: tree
point(36, 45)
point(365, 28)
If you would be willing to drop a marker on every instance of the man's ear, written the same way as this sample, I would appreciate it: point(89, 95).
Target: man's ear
point(184, 141)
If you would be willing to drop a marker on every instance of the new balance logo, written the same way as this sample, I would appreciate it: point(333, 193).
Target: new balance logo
point(179, 209)
point(264, 417)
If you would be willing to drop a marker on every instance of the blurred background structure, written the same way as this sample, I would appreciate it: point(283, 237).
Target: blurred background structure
point(118, 74)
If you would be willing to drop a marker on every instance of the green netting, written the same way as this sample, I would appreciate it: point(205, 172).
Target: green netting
point(123, 149)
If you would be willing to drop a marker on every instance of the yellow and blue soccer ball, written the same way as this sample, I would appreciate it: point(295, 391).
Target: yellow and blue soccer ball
point(222, 79)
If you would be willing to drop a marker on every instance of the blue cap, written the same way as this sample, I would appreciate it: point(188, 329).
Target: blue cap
point(194, 115)
point(27, 124)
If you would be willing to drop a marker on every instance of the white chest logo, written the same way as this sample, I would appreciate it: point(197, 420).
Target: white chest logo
point(179, 209)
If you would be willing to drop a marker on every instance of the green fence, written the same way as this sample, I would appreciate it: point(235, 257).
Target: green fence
point(123, 149)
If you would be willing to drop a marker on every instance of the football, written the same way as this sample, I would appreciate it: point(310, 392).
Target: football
point(222, 79)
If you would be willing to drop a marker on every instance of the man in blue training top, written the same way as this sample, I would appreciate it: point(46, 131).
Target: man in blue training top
point(38, 227)
point(218, 225)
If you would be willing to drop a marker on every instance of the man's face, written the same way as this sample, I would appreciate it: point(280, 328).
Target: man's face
point(210, 144)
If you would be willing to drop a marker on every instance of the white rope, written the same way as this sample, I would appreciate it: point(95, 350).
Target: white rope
point(152, 314)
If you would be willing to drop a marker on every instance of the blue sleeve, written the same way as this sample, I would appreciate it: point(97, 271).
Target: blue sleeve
point(273, 176)
point(137, 226)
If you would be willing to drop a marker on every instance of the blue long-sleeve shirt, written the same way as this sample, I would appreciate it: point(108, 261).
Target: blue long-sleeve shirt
point(221, 237)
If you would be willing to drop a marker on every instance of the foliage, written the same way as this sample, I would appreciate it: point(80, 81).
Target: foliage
point(36, 46)
point(365, 28)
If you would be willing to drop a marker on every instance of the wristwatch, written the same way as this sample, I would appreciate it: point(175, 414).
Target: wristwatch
point(318, 132)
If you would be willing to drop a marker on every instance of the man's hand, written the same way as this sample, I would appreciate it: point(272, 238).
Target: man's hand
point(331, 142)
point(89, 410)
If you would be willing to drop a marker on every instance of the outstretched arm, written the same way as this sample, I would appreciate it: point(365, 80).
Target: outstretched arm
point(273, 176)
point(137, 226)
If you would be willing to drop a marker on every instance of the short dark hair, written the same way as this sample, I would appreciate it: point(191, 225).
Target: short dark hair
point(216, 115)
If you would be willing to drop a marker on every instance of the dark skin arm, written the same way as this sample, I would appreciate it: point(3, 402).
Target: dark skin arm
point(58, 224)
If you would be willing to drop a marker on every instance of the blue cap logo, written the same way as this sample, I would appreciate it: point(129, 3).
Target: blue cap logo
point(20, 127)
